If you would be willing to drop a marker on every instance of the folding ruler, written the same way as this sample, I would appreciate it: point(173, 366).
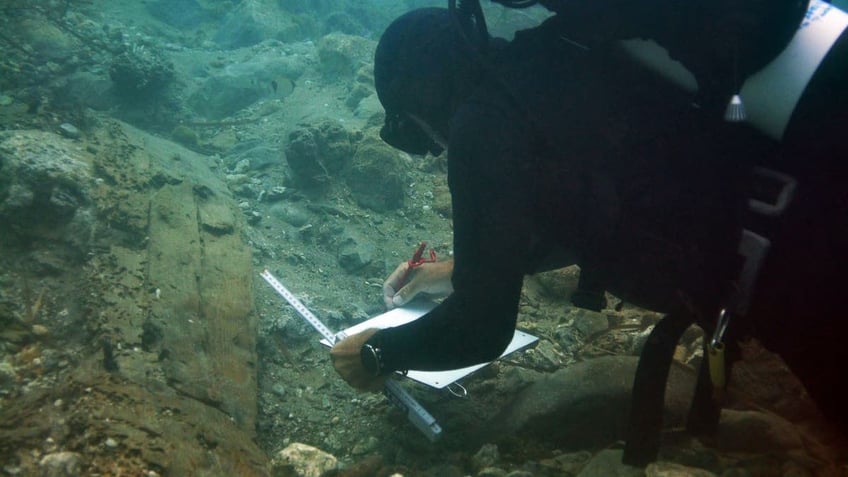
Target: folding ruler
point(416, 413)
point(393, 390)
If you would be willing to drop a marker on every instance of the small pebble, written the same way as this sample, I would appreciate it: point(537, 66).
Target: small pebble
point(60, 464)
point(366, 446)
point(70, 131)
point(276, 193)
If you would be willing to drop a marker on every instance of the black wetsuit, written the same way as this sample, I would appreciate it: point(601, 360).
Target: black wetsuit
point(585, 157)
point(798, 308)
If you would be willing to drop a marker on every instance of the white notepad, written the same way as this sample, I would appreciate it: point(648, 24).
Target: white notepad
point(414, 310)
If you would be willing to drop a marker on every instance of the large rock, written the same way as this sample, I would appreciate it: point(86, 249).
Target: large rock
point(60, 464)
point(239, 85)
point(253, 21)
point(316, 152)
point(45, 189)
point(342, 55)
point(47, 40)
point(301, 460)
point(140, 72)
point(587, 404)
point(754, 431)
point(767, 380)
point(163, 378)
point(87, 89)
point(376, 176)
point(179, 13)
point(670, 469)
point(607, 463)
point(199, 325)
point(356, 253)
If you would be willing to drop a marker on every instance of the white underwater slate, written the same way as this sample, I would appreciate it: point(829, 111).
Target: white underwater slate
point(414, 310)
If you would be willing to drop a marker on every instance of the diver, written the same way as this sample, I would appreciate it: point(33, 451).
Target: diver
point(563, 149)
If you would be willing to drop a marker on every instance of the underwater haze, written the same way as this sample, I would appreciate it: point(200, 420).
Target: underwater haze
point(156, 156)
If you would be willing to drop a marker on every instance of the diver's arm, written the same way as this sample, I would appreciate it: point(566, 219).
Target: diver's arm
point(492, 225)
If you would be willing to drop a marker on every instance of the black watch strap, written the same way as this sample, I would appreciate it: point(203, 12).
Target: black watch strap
point(372, 359)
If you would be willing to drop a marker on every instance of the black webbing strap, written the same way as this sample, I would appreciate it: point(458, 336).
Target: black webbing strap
point(705, 410)
point(648, 395)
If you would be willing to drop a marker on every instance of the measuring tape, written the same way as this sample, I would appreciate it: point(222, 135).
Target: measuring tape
point(301, 308)
point(417, 415)
point(397, 395)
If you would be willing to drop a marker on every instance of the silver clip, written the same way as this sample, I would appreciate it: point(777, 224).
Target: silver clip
point(721, 328)
point(461, 393)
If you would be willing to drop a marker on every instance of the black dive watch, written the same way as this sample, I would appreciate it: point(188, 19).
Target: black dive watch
point(372, 359)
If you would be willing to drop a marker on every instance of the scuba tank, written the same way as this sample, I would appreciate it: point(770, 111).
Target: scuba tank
point(767, 97)
point(771, 94)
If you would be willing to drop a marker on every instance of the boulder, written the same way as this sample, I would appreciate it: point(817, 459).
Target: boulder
point(670, 469)
point(88, 90)
point(376, 176)
point(140, 71)
point(754, 431)
point(239, 85)
point(301, 460)
point(61, 464)
point(47, 40)
point(158, 315)
point(356, 253)
point(342, 55)
point(315, 152)
point(253, 21)
point(586, 404)
point(45, 188)
point(607, 463)
point(178, 13)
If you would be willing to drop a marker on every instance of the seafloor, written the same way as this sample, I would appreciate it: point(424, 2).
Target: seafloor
point(156, 156)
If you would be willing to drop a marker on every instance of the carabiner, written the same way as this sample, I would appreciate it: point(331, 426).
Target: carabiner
point(461, 393)
point(721, 327)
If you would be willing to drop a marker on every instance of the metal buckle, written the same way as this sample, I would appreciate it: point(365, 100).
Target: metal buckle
point(457, 390)
point(787, 186)
point(720, 329)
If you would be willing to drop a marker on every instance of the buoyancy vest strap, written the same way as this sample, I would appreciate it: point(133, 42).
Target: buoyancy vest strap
point(705, 410)
point(648, 395)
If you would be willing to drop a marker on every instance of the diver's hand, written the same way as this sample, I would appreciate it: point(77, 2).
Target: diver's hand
point(433, 278)
point(346, 360)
